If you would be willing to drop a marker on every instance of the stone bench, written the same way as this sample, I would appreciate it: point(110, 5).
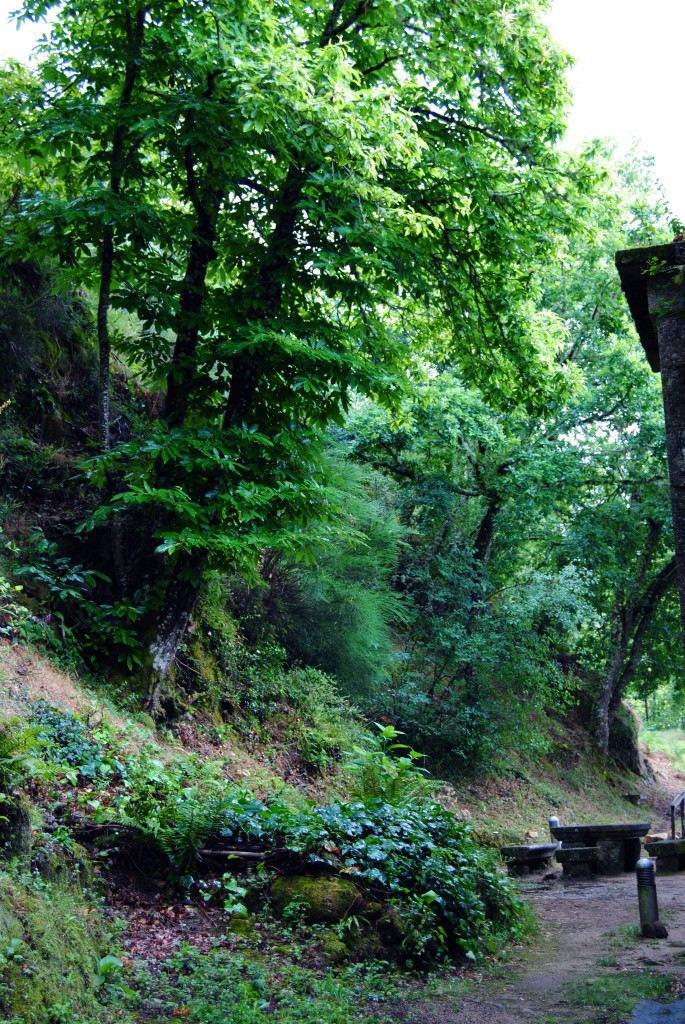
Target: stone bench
point(522, 859)
point(619, 844)
point(579, 861)
point(669, 854)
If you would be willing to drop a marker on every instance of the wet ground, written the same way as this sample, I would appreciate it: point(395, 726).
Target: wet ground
point(657, 1013)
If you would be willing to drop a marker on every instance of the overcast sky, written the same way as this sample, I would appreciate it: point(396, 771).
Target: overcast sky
point(628, 80)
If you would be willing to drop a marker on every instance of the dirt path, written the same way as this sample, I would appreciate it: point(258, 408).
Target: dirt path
point(584, 934)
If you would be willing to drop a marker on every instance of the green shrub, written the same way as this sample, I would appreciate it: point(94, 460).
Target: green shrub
point(68, 741)
point(388, 770)
point(177, 805)
point(13, 614)
point(19, 755)
point(452, 894)
point(450, 890)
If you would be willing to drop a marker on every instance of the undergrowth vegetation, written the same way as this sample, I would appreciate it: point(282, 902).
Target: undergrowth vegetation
point(396, 843)
point(230, 988)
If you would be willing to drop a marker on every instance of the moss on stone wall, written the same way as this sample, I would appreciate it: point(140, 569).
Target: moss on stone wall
point(50, 945)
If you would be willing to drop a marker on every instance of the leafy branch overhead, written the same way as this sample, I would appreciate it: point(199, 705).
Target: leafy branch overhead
point(295, 204)
point(314, 235)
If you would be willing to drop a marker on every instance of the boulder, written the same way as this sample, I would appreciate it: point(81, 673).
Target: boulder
point(334, 948)
point(324, 899)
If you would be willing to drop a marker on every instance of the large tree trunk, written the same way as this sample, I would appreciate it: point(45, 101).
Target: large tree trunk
point(192, 299)
point(183, 587)
point(264, 302)
point(179, 603)
point(632, 625)
point(263, 297)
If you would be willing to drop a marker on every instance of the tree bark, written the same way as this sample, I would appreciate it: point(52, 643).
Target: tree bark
point(207, 201)
point(634, 621)
point(135, 30)
point(265, 296)
point(180, 599)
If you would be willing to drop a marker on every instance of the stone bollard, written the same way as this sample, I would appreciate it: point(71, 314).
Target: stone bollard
point(553, 823)
point(650, 925)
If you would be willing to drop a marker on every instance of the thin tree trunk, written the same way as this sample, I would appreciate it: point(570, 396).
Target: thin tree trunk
point(614, 663)
point(104, 344)
point(135, 30)
point(657, 589)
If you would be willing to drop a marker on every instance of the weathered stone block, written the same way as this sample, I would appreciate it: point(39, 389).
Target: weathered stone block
point(611, 857)
point(521, 860)
point(669, 854)
point(579, 862)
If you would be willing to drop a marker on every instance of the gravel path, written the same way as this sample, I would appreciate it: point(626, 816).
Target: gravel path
point(581, 923)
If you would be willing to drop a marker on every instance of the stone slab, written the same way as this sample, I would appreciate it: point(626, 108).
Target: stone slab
point(592, 833)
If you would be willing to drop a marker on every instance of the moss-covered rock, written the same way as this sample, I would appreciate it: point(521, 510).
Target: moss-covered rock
point(324, 899)
point(334, 948)
point(240, 925)
point(373, 910)
point(390, 927)
point(364, 943)
point(15, 831)
point(50, 945)
point(64, 867)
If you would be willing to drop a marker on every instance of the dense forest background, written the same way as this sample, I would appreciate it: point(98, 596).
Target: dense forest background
point(314, 355)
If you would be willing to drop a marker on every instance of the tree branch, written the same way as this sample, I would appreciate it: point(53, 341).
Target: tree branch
point(332, 30)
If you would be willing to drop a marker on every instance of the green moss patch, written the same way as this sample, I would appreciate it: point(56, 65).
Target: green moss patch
point(323, 899)
point(51, 943)
point(611, 998)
